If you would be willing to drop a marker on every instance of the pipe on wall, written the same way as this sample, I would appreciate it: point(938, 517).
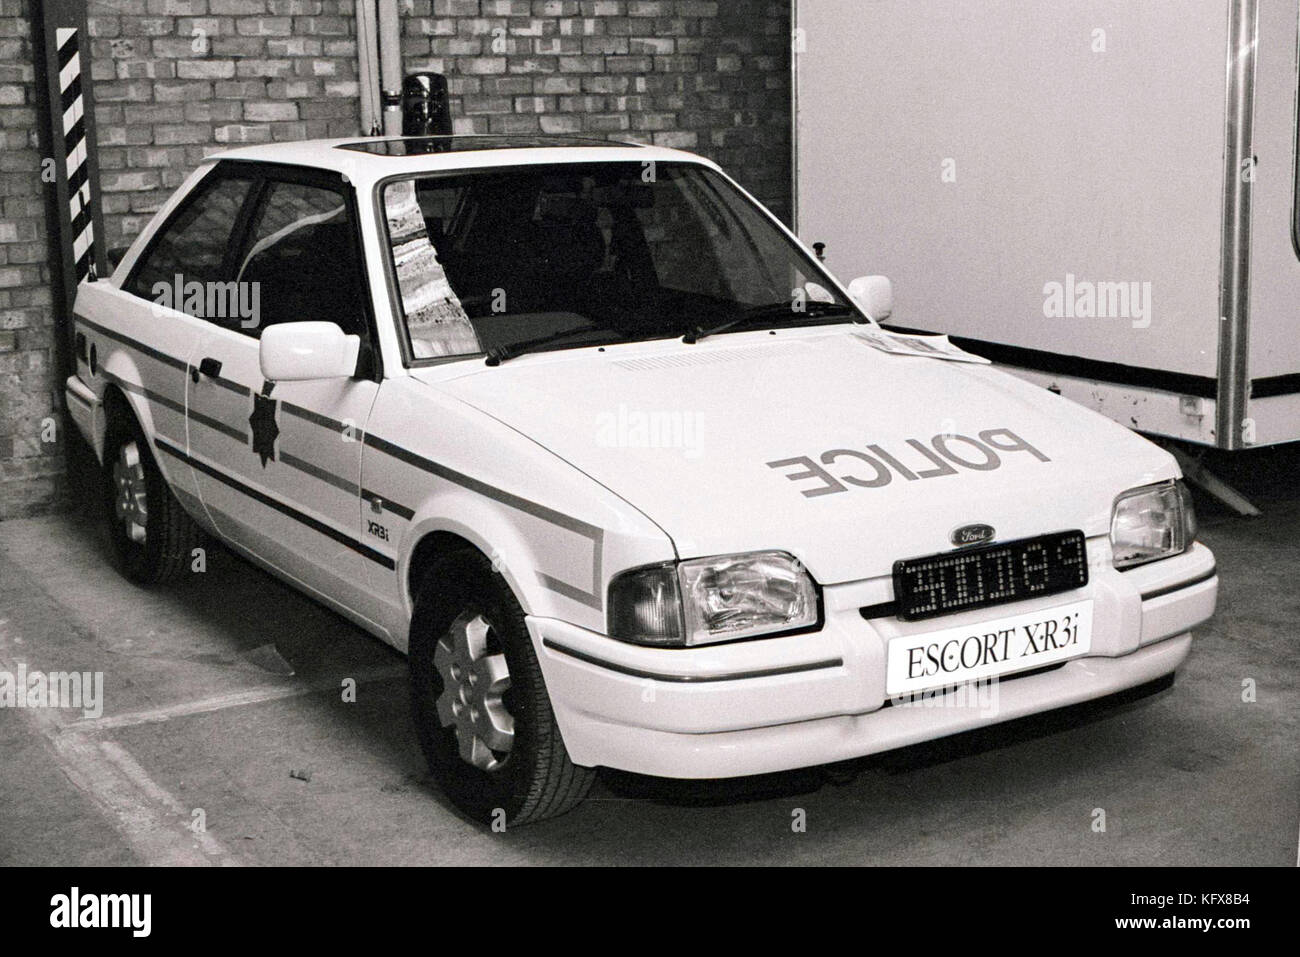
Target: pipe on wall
point(390, 65)
point(368, 65)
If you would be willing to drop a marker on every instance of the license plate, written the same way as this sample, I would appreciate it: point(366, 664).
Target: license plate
point(989, 575)
point(988, 649)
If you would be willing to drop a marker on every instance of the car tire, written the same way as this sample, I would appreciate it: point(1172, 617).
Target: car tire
point(152, 537)
point(480, 705)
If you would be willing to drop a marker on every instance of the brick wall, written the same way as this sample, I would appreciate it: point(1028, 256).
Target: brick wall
point(176, 80)
point(709, 77)
point(31, 470)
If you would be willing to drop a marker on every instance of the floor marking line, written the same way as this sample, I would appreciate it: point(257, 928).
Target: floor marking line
point(234, 699)
point(129, 800)
point(145, 827)
point(133, 772)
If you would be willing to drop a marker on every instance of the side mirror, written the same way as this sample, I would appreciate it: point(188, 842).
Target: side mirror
point(875, 294)
point(296, 351)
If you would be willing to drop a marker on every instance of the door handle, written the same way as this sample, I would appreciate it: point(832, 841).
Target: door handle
point(209, 367)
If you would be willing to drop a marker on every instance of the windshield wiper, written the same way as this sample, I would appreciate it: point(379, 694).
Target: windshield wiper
point(814, 310)
point(499, 354)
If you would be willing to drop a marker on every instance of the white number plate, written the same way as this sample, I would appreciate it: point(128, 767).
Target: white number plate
point(999, 646)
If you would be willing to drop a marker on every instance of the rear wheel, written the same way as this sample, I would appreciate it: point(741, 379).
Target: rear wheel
point(481, 709)
point(153, 538)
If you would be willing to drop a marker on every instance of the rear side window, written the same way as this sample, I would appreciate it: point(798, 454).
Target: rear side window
point(302, 255)
point(191, 247)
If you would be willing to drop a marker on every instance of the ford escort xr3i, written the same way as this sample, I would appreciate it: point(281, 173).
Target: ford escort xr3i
point(633, 481)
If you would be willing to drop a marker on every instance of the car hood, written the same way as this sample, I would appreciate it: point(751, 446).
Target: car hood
point(816, 443)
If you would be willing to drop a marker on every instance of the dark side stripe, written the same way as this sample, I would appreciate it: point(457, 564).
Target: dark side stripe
point(307, 468)
point(324, 421)
point(149, 394)
point(591, 598)
point(162, 357)
point(593, 533)
point(482, 488)
point(149, 351)
point(228, 384)
point(315, 525)
point(218, 426)
point(399, 510)
point(242, 437)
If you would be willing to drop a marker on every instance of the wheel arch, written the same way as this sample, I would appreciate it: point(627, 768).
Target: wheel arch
point(117, 407)
point(462, 520)
point(118, 370)
point(120, 408)
point(428, 551)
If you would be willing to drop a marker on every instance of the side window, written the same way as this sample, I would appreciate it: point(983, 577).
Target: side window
point(185, 260)
point(302, 259)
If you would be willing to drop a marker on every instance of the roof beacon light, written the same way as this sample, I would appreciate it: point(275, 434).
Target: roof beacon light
point(426, 109)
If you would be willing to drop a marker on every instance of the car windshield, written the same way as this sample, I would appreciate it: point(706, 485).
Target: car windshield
point(562, 256)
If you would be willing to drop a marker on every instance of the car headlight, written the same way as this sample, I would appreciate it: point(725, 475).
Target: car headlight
point(1151, 522)
point(708, 600)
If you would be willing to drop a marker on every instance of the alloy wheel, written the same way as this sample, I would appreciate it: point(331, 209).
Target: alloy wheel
point(130, 492)
point(474, 679)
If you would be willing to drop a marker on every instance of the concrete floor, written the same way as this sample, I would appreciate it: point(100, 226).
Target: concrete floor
point(197, 717)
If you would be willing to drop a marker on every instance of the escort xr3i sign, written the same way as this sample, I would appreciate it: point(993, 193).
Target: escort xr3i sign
point(413, 429)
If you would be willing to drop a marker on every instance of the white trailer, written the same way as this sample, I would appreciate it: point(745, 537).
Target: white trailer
point(1099, 195)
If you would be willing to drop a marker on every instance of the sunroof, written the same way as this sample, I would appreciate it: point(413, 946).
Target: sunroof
point(428, 145)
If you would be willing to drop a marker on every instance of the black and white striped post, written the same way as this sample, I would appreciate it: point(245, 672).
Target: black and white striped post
point(76, 168)
point(69, 168)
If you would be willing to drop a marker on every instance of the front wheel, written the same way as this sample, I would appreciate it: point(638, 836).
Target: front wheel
point(481, 709)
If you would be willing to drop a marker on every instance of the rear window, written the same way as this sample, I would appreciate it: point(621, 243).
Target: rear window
point(192, 245)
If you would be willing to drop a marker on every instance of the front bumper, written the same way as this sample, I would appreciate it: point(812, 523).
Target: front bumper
point(774, 704)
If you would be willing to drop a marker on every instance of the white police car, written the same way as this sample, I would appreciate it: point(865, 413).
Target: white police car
point(632, 479)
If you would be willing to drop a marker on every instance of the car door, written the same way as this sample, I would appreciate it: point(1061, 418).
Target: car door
point(278, 464)
point(162, 316)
